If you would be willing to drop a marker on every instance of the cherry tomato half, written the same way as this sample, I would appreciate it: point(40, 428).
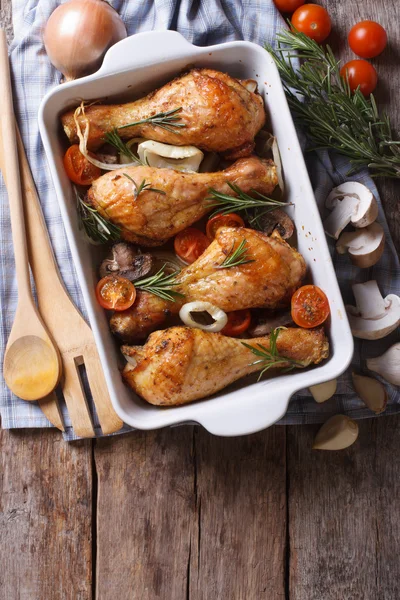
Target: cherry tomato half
point(312, 20)
point(288, 6)
point(310, 306)
point(238, 322)
point(190, 243)
point(115, 293)
point(229, 220)
point(78, 168)
point(360, 73)
point(367, 39)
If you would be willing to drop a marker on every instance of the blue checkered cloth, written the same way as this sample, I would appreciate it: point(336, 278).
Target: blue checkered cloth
point(203, 23)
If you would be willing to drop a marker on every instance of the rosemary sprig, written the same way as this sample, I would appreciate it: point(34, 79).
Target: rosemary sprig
point(160, 285)
point(236, 257)
point(98, 229)
point(334, 117)
point(142, 186)
point(271, 358)
point(166, 120)
point(242, 202)
point(114, 140)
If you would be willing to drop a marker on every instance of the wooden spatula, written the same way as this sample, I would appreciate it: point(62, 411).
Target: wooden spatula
point(69, 330)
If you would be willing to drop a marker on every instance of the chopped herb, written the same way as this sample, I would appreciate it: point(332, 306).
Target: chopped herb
point(270, 358)
point(166, 120)
point(160, 285)
point(236, 257)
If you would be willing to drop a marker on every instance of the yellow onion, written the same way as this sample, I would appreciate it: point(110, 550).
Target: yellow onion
point(78, 33)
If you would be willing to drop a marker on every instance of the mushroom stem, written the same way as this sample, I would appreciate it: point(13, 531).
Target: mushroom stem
point(369, 300)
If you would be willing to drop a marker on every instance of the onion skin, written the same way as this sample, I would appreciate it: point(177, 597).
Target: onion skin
point(78, 34)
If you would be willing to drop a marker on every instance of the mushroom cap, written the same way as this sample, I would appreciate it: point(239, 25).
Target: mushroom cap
point(278, 220)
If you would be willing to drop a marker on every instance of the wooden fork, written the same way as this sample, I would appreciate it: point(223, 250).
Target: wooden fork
point(70, 331)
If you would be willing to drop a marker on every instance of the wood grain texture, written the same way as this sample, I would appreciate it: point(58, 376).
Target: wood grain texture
point(145, 515)
point(45, 517)
point(183, 514)
point(240, 534)
point(344, 516)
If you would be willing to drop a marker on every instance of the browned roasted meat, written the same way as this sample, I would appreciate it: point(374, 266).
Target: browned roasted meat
point(218, 112)
point(179, 365)
point(154, 216)
point(269, 281)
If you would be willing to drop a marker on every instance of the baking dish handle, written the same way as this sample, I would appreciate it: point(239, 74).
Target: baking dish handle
point(142, 49)
point(268, 408)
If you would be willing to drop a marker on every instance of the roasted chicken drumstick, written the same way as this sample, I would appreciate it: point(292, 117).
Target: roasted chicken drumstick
point(152, 217)
point(269, 281)
point(179, 365)
point(218, 113)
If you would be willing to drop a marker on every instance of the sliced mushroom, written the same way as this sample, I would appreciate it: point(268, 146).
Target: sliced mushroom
point(371, 391)
point(167, 156)
point(279, 220)
point(124, 260)
point(373, 317)
point(365, 246)
point(323, 391)
point(351, 202)
point(337, 433)
point(267, 322)
point(387, 365)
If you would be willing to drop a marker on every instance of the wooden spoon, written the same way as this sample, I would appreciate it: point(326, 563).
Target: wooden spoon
point(32, 366)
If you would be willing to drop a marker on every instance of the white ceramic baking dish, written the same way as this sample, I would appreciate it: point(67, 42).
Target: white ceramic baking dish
point(136, 66)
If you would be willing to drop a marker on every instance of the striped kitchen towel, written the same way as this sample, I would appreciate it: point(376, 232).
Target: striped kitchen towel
point(203, 23)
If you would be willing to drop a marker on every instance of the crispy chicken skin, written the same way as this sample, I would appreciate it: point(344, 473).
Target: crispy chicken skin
point(153, 217)
point(218, 112)
point(179, 365)
point(269, 281)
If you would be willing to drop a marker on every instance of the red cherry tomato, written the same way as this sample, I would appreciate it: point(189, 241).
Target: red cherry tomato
point(78, 168)
point(238, 322)
point(313, 20)
point(229, 220)
point(288, 6)
point(367, 39)
point(360, 73)
point(190, 243)
point(310, 306)
point(115, 293)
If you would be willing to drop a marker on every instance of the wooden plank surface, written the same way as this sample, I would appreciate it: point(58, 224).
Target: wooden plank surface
point(45, 517)
point(182, 514)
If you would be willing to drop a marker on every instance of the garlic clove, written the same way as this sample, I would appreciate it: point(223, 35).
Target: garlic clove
point(337, 433)
point(387, 365)
point(371, 391)
point(323, 391)
point(168, 156)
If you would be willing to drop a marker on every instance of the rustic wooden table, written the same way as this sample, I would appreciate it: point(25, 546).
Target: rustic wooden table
point(179, 514)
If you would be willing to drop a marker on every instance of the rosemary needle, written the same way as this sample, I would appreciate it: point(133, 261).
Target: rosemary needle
point(142, 186)
point(114, 140)
point(98, 229)
point(168, 120)
point(241, 202)
point(271, 358)
point(236, 257)
point(160, 284)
